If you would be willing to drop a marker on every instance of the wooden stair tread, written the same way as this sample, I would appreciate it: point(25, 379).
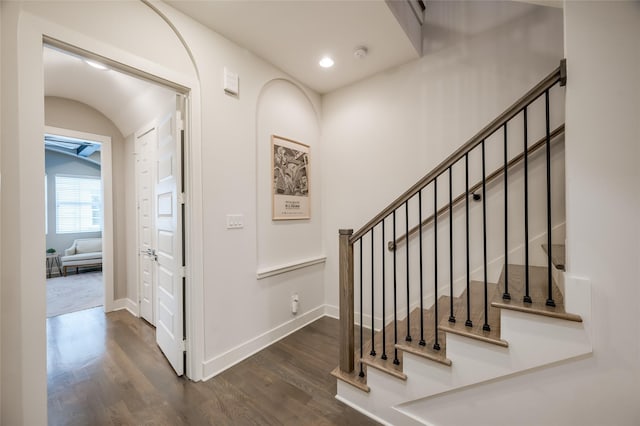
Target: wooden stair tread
point(352, 378)
point(412, 346)
point(476, 315)
point(558, 255)
point(537, 290)
point(376, 360)
point(427, 351)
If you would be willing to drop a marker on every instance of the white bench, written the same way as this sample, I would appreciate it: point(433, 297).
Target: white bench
point(83, 252)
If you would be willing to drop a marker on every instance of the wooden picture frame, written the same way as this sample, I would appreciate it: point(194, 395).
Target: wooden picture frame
point(290, 183)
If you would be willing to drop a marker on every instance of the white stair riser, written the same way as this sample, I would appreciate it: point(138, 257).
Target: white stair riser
point(369, 404)
point(534, 341)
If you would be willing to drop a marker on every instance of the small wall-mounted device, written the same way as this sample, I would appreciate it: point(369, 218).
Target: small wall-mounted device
point(235, 221)
point(294, 303)
point(360, 52)
point(231, 83)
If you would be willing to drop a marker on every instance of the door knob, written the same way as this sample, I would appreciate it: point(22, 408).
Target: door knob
point(151, 253)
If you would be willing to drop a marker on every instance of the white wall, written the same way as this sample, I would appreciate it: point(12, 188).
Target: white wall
point(603, 105)
point(383, 134)
point(603, 206)
point(285, 110)
point(24, 356)
point(232, 313)
point(242, 313)
point(23, 272)
point(380, 123)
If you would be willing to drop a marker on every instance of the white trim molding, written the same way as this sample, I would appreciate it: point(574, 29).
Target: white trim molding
point(288, 267)
point(228, 359)
point(108, 231)
point(126, 304)
point(332, 311)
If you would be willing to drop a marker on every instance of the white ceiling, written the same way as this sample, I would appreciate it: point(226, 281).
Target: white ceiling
point(129, 102)
point(294, 35)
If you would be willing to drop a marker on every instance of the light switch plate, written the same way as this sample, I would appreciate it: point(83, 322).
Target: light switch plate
point(235, 221)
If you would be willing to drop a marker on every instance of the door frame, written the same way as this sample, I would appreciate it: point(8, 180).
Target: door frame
point(23, 236)
point(106, 178)
point(144, 130)
point(189, 89)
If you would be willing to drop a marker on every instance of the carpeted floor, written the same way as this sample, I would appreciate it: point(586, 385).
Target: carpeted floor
point(74, 293)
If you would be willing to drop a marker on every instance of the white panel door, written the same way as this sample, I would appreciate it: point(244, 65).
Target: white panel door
point(170, 271)
point(146, 163)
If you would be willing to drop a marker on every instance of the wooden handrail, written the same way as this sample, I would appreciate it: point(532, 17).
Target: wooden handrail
point(549, 81)
point(495, 174)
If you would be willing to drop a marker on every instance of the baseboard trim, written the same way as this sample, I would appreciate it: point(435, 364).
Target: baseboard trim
point(127, 304)
point(332, 311)
point(219, 363)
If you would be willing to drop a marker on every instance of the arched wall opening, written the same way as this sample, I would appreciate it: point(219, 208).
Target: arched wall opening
point(284, 110)
point(25, 26)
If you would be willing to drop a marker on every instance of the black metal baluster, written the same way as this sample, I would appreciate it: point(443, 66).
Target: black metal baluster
point(436, 345)
point(452, 318)
point(406, 222)
point(422, 342)
point(550, 301)
point(396, 361)
point(485, 326)
point(468, 322)
point(527, 297)
point(506, 295)
point(384, 318)
point(373, 325)
point(361, 308)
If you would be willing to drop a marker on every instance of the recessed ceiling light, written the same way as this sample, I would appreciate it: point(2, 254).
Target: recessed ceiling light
point(326, 62)
point(94, 64)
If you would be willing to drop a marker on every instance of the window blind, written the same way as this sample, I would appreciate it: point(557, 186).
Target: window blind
point(78, 204)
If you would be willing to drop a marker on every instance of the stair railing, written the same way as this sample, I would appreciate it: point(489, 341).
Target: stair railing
point(444, 171)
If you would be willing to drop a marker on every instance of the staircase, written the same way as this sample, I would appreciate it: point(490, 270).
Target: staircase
point(436, 330)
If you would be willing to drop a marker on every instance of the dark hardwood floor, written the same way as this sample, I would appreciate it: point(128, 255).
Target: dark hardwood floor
point(107, 370)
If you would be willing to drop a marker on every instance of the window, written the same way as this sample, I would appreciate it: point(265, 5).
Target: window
point(78, 204)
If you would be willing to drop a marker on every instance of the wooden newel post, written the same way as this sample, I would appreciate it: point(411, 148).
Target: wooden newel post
point(346, 301)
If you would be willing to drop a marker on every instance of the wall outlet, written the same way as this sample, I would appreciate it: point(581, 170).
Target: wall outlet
point(295, 301)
